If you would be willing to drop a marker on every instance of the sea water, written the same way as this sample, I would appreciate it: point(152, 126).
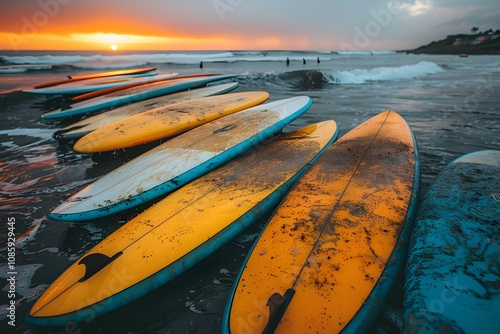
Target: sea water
point(451, 103)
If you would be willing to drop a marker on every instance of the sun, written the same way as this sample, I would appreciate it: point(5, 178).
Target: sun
point(114, 47)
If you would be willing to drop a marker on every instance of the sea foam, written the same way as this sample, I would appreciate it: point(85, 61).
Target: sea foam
point(130, 59)
point(359, 76)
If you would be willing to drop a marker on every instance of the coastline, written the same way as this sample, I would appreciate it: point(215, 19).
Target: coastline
point(487, 43)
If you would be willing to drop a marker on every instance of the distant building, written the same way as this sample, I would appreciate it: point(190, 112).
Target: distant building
point(475, 40)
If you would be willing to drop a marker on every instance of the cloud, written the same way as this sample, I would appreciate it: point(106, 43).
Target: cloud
point(468, 15)
point(319, 24)
point(415, 8)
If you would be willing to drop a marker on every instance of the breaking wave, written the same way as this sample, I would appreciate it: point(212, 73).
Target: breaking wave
point(359, 76)
point(11, 64)
point(315, 79)
point(17, 64)
point(23, 68)
point(65, 59)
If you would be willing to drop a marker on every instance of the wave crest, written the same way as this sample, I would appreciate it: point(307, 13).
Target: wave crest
point(316, 79)
point(57, 60)
point(360, 76)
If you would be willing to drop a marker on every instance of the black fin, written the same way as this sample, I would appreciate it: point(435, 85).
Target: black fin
point(225, 128)
point(95, 262)
point(277, 307)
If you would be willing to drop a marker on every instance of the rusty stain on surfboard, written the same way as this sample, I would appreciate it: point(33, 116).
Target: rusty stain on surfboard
point(334, 234)
point(187, 218)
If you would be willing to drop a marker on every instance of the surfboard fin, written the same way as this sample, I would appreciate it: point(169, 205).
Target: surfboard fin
point(225, 128)
point(277, 306)
point(95, 262)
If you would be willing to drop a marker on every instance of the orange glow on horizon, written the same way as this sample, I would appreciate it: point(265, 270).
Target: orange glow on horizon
point(104, 41)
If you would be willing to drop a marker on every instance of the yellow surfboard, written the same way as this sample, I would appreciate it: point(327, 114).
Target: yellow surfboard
point(89, 124)
point(167, 121)
point(182, 229)
point(327, 258)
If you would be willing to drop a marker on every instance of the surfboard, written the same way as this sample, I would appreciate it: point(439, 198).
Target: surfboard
point(182, 229)
point(133, 94)
point(89, 124)
point(90, 85)
point(326, 260)
point(452, 281)
point(101, 92)
point(180, 160)
point(166, 122)
point(73, 78)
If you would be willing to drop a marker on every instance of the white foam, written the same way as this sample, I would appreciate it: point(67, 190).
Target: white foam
point(9, 69)
point(30, 132)
point(43, 134)
point(359, 76)
point(13, 70)
point(366, 53)
point(108, 65)
point(136, 60)
point(23, 239)
point(127, 59)
point(54, 250)
point(24, 287)
point(193, 309)
point(11, 187)
point(48, 59)
point(247, 237)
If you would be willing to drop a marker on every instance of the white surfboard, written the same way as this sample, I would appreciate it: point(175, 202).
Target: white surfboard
point(180, 160)
point(87, 125)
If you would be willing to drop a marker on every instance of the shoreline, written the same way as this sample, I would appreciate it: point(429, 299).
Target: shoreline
point(487, 43)
point(452, 51)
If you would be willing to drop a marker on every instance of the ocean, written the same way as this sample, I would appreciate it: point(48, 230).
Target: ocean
point(451, 103)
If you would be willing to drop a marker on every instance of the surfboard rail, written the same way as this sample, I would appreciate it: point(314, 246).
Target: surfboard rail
point(334, 248)
point(180, 160)
point(74, 78)
point(182, 229)
point(451, 277)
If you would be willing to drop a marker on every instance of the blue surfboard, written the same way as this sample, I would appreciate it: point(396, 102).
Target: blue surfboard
point(91, 85)
point(452, 281)
point(133, 94)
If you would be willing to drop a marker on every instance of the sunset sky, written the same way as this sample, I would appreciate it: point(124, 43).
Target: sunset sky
point(237, 24)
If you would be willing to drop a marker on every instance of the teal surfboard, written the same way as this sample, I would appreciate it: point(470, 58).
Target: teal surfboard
point(182, 229)
point(133, 94)
point(452, 282)
point(91, 85)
